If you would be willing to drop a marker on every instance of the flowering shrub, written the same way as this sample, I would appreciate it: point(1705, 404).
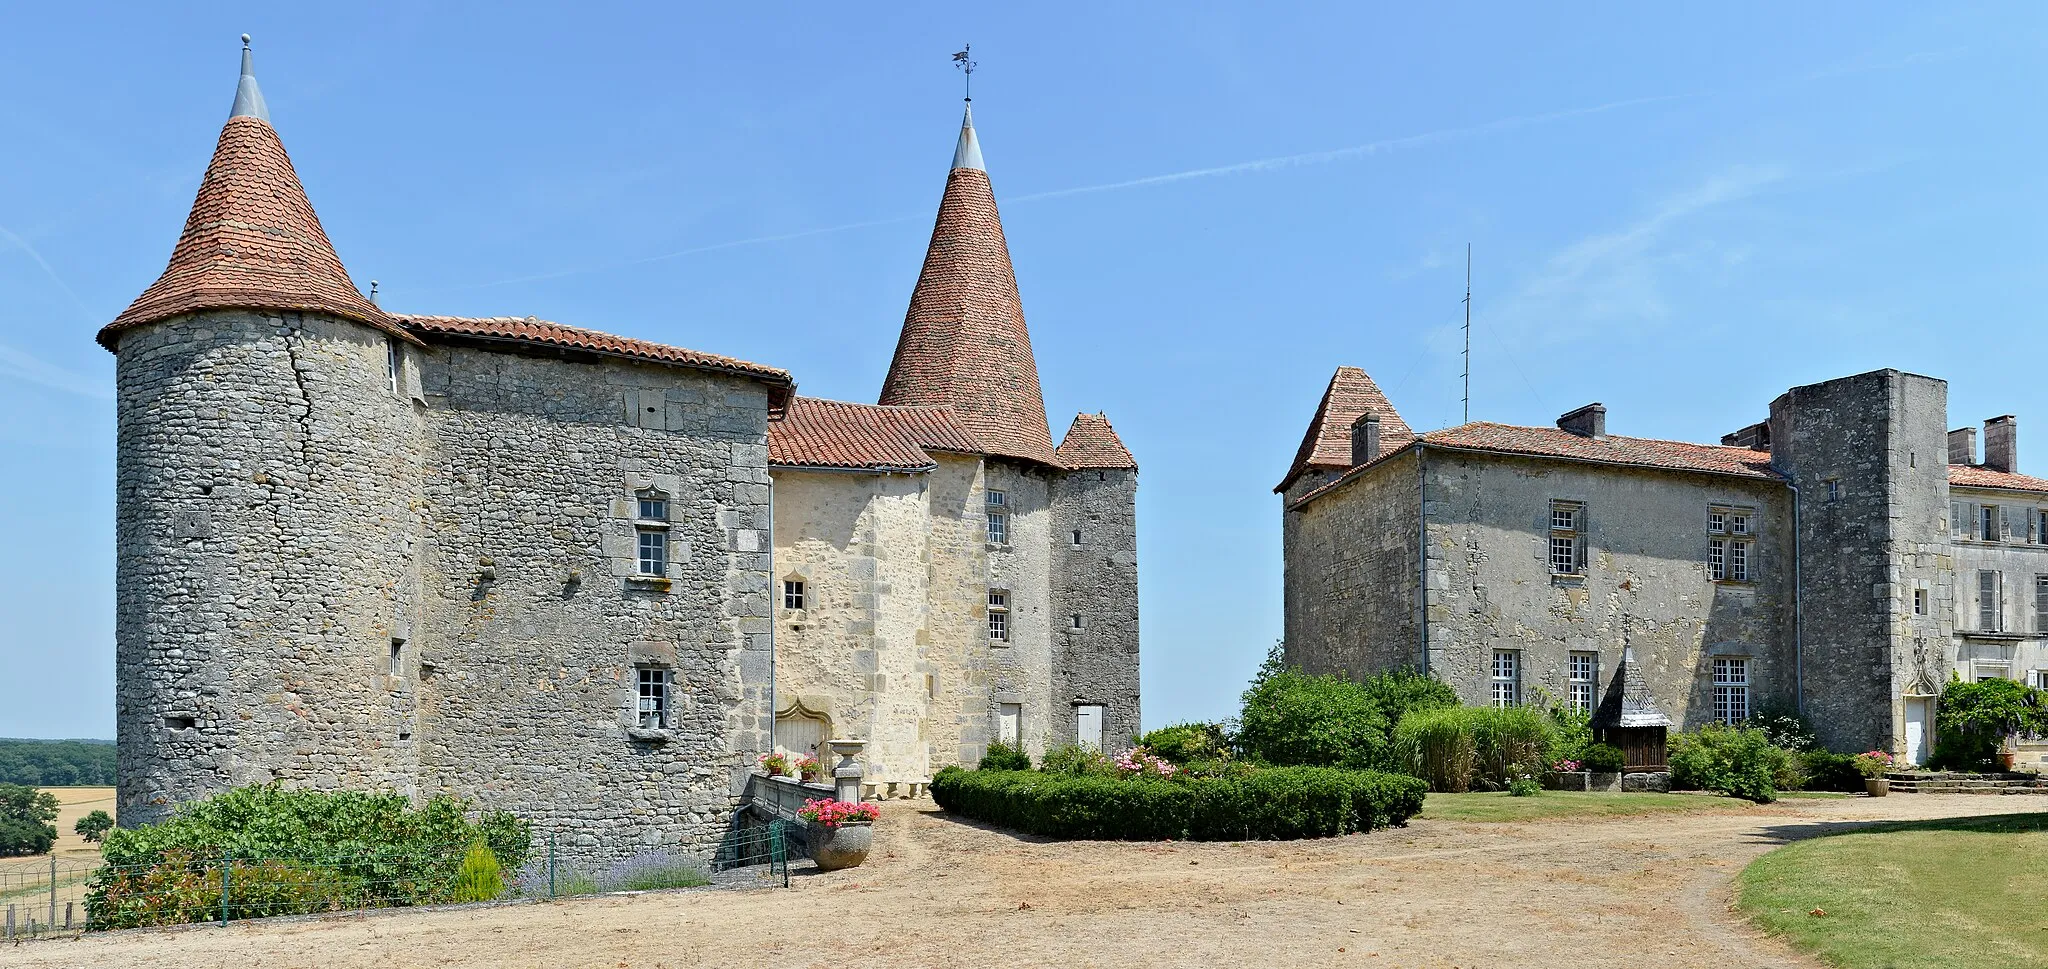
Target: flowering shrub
point(1566, 766)
point(1140, 762)
point(775, 763)
point(832, 814)
point(806, 767)
point(1873, 763)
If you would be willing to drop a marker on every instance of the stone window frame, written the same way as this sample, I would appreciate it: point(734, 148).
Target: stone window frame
point(397, 658)
point(1587, 684)
point(1506, 678)
point(1731, 543)
point(1567, 519)
point(1731, 686)
point(654, 695)
point(996, 507)
point(652, 508)
point(1920, 597)
point(1079, 537)
point(999, 616)
point(795, 593)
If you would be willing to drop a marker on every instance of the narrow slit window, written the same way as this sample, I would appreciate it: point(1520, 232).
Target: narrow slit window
point(398, 657)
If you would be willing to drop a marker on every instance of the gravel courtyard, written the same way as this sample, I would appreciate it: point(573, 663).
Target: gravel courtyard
point(1585, 894)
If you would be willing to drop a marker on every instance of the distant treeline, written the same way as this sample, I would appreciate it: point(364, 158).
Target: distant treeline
point(57, 763)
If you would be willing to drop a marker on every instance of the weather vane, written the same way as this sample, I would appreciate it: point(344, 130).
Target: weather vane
point(966, 66)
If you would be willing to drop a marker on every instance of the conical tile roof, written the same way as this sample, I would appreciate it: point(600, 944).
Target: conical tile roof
point(964, 342)
point(1092, 443)
point(252, 240)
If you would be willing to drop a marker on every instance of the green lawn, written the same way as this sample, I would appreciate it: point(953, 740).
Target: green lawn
point(1963, 893)
point(1499, 806)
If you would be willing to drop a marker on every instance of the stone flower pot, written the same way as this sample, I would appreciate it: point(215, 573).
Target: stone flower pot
point(841, 846)
point(1877, 786)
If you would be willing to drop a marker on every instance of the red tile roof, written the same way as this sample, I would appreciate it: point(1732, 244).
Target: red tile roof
point(964, 342)
point(545, 333)
point(1091, 443)
point(1327, 444)
point(864, 437)
point(252, 241)
point(1974, 476)
point(1550, 442)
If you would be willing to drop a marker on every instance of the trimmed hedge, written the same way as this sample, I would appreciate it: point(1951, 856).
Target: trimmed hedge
point(1275, 803)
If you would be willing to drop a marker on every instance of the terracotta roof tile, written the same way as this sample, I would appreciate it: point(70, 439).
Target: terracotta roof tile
point(546, 333)
point(1550, 442)
point(1974, 476)
point(252, 241)
point(964, 341)
point(835, 434)
point(1091, 443)
point(1327, 444)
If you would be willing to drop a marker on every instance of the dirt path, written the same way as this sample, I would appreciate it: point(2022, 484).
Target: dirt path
point(1583, 895)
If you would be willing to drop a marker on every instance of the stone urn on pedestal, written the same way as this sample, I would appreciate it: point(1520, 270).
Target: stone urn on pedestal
point(842, 845)
point(843, 829)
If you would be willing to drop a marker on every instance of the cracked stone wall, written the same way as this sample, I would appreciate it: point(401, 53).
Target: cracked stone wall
point(266, 549)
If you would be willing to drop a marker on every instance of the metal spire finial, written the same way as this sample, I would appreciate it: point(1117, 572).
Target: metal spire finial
point(248, 97)
point(966, 66)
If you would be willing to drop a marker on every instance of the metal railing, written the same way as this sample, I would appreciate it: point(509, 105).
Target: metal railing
point(45, 896)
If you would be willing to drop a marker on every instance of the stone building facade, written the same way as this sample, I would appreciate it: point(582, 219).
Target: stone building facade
point(1836, 558)
point(544, 567)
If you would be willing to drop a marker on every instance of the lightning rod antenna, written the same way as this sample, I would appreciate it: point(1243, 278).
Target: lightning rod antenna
point(1468, 333)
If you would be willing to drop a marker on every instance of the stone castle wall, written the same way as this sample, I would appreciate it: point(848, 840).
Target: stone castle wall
point(1645, 583)
point(1351, 578)
point(535, 623)
point(266, 524)
point(1095, 579)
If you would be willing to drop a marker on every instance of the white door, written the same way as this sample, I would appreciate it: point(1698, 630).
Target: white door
point(1916, 730)
point(1009, 722)
point(1088, 733)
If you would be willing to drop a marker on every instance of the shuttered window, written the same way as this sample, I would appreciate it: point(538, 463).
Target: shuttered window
point(1990, 610)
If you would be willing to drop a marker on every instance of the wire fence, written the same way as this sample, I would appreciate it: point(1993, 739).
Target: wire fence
point(52, 896)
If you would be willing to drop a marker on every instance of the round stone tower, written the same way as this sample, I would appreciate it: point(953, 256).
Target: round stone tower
point(268, 483)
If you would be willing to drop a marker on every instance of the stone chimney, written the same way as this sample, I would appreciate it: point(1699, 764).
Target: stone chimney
point(1588, 421)
point(1365, 439)
point(2002, 444)
point(1962, 446)
point(1756, 437)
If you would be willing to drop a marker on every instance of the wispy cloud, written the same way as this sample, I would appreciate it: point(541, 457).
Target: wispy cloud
point(1618, 274)
point(7, 235)
point(18, 365)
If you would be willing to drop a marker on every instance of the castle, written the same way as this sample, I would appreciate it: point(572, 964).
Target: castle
point(583, 577)
point(1842, 558)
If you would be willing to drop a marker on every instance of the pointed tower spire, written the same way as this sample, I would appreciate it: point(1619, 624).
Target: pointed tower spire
point(249, 97)
point(252, 240)
point(964, 341)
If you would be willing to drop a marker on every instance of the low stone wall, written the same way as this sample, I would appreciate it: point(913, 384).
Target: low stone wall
point(769, 798)
point(1657, 781)
point(1581, 780)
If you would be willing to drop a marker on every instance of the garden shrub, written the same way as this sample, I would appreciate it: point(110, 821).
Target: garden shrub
point(1972, 719)
point(25, 816)
point(293, 852)
point(1404, 691)
point(1457, 748)
point(480, 879)
point(1602, 759)
point(1002, 756)
point(1292, 718)
point(1250, 804)
point(1184, 743)
point(1076, 759)
point(1737, 761)
point(1825, 770)
point(1524, 787)
point(1571, 734)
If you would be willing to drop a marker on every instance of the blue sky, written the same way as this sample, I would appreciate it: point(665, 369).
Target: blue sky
point(1678, 211)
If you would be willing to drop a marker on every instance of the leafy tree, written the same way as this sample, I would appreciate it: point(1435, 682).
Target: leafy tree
point(25, 816)
point(1974, 718)
point(93, 826)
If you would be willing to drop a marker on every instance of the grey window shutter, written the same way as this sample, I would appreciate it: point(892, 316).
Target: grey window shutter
point(2005, 523)
point(1585, 534)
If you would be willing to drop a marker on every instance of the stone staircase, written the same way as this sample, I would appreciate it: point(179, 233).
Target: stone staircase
point(1917, 782)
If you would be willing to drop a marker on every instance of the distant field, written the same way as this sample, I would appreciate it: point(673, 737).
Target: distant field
point(25, 882)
